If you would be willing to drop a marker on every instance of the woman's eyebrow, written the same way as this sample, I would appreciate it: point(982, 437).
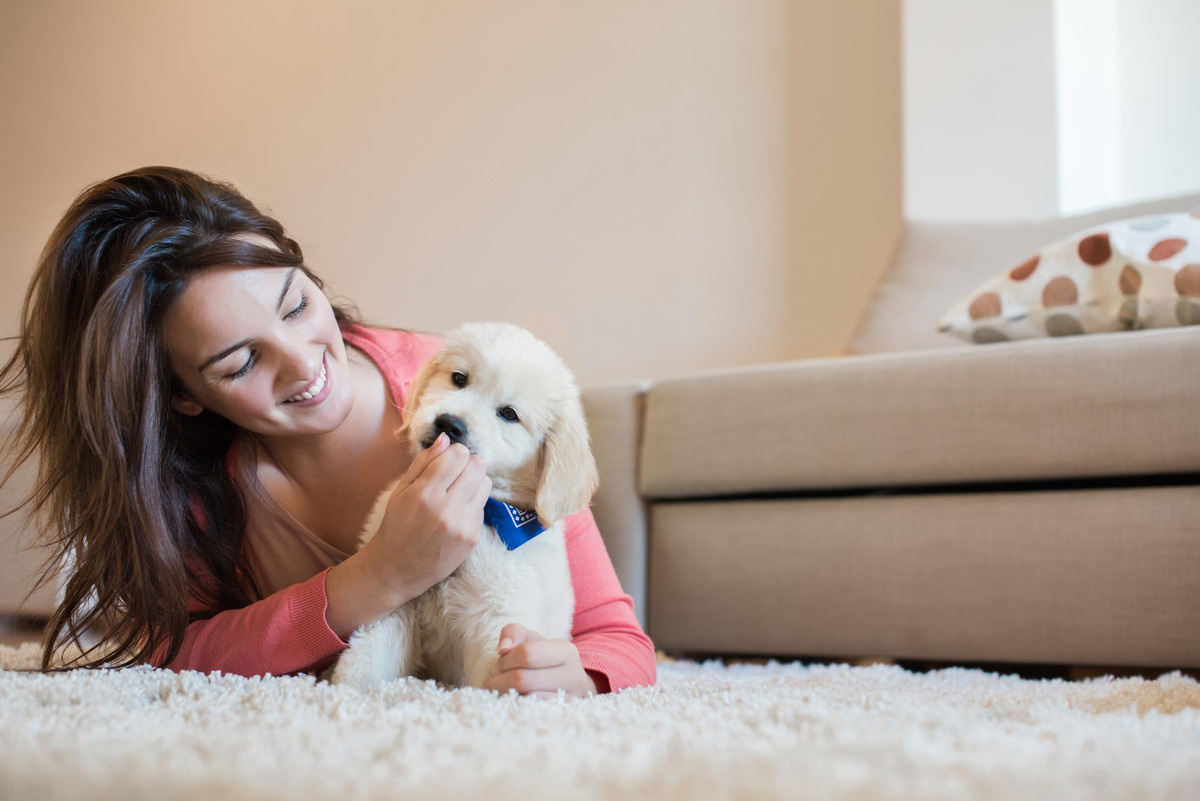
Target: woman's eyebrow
point(287, 284)
point(211, 360)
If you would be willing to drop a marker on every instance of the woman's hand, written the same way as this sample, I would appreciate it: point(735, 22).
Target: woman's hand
point(433, 521)
point(534, 665)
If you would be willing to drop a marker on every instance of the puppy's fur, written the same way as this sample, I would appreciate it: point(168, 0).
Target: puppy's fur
point(541, 462)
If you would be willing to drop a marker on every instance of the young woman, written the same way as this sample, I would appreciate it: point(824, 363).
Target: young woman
point(211, 434)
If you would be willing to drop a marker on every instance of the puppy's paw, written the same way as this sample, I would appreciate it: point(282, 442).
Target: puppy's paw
point(360, 673)
point(379, 652)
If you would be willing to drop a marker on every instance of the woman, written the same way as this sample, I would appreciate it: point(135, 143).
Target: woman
point(212, 433)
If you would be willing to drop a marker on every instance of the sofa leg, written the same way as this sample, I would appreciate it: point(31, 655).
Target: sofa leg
point(15, 630)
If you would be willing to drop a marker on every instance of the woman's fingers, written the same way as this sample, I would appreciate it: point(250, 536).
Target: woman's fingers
point(534, 655)
point(466, 484)
point(422, 461)
point(446, 467)
point(480, 497)
point(529, 682)
point(514, 634)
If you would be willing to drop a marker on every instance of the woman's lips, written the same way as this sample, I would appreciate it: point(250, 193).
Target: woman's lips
point(322, 393)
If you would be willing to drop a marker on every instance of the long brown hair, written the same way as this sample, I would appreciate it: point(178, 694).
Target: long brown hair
point(130, 492)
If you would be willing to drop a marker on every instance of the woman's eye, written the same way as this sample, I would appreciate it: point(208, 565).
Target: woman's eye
point(459, 379)
point(508, 413)
point(296, 312)
point(245, 368)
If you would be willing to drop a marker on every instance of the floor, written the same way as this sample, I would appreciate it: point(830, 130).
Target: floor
point(15, 631)
point(706, 731)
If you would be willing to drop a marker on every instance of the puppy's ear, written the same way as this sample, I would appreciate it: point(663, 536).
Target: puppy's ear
point(568, 468)
point(416, 389)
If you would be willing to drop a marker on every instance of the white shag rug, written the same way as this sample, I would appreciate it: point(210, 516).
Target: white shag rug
point(706, 731)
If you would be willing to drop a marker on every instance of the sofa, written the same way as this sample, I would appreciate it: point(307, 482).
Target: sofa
point(919, 498)
point(19, 560)
point(916, 498)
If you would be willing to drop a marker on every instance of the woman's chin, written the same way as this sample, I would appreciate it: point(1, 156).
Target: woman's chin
point(309, 421)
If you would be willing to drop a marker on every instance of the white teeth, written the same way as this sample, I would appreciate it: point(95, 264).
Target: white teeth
point(312, 391)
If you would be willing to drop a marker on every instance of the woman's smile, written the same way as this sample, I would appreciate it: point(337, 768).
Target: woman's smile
point(315, 392)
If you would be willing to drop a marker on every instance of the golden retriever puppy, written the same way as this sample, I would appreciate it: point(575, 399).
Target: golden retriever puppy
point(509, 398)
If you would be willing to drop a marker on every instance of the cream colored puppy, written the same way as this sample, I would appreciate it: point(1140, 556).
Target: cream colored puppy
point(508, 397)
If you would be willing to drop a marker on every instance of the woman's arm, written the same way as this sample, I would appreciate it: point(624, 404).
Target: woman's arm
point(613, 649)
point(283, 633)
point(299, 628)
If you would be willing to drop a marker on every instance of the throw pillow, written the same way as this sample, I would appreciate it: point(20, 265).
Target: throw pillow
point(1137, 273)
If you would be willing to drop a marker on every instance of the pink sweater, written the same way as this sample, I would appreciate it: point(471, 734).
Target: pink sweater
point(286, 632)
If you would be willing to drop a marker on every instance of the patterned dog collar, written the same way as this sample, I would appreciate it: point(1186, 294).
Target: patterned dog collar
point(514, 526)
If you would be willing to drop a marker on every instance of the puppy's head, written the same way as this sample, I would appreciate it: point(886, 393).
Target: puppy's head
point(508, 397)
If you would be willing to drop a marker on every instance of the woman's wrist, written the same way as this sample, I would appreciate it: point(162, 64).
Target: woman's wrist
point(388, 587)
point(356, 595)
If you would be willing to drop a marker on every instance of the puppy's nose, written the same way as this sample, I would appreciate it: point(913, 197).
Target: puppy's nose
point(454, 427)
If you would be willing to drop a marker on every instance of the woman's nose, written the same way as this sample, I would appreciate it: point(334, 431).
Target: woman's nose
point(299, 363)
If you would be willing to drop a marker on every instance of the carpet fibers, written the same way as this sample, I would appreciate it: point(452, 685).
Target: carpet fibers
point(706, 731)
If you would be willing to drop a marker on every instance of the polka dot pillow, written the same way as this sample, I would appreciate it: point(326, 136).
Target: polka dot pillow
point(1139, 273)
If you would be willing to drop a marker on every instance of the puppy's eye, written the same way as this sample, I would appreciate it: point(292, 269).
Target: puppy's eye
point(508, 413)
point(459, 379)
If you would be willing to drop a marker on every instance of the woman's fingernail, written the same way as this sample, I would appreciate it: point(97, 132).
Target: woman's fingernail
point(441, 440)
point(505, 644)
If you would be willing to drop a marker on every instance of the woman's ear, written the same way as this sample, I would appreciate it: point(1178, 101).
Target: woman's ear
point(417, 388)
point(183, 403)
point(569, 476)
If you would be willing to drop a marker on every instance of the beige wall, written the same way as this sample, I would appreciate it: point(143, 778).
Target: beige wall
point(979, 119)
point(654, 187)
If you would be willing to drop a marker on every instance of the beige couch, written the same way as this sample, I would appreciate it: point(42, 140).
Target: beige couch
point(1036, 501)
point(19, 562)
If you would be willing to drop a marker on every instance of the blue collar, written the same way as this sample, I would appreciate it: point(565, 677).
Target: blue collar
point(514, 526)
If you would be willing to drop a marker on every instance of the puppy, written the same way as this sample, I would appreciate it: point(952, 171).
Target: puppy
point(509, 398)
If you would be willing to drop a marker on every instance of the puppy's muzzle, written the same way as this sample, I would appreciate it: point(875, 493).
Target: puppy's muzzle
point(453, 427)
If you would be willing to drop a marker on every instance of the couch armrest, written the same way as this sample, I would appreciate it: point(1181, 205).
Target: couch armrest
point(20, 559)
point(614, 417)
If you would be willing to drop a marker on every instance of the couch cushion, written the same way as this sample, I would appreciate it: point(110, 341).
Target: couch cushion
point(20, 560)
point(1080, 577)
point(937, 263)
point(1105, 405)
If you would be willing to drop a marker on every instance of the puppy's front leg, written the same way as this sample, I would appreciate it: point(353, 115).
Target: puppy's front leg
point(481, 653)
point(380, 652)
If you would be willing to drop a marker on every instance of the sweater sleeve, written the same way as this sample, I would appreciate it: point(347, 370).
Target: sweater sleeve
point(613, 649)
point(284, 633)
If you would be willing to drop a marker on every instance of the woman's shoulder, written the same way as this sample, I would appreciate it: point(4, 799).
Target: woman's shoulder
point(397, 352)
point(392, 348)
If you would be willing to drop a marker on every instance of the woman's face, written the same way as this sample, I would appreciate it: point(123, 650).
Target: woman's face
point(249, 342)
